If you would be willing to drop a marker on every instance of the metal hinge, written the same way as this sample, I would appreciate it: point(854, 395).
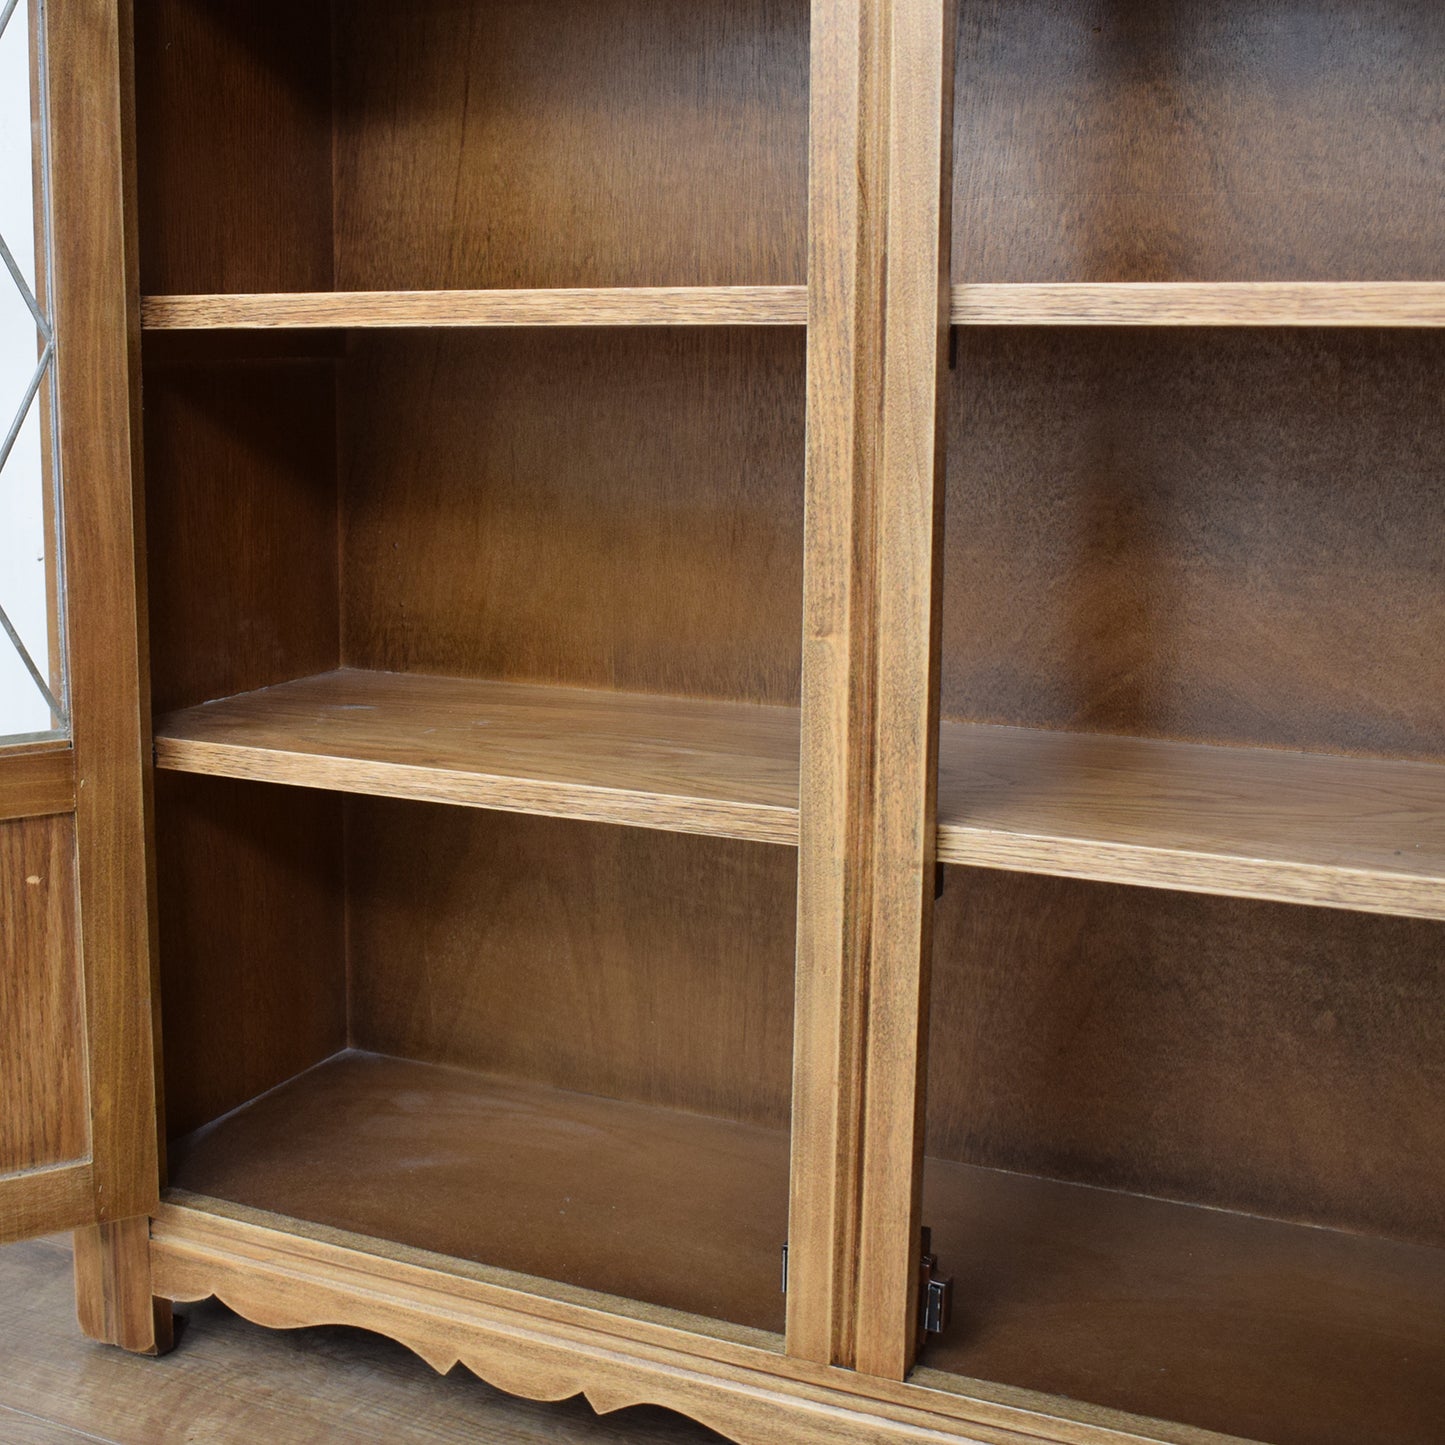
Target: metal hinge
point(935, 1293)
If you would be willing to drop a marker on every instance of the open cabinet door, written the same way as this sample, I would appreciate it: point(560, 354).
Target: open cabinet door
point(77, 1080)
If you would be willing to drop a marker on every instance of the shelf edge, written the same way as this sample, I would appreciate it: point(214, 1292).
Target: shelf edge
point(1225, 303)
point(1357, 890)
point(600, 306)
point(583, 802)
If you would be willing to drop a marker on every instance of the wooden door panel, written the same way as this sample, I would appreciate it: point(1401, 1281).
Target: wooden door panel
point(77, 1101)
point(42, 1038)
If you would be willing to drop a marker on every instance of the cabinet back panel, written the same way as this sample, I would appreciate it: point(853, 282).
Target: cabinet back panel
point(618, 509)
point(1252, 1056)
point(1227, 537)
point(1199, 140)
point(252, 942)
point(241, 526)
point(44, 1117)
point(233, 145)
point(502, 143)
point(655, 967)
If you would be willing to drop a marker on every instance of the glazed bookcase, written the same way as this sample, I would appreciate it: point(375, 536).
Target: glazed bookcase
point(711, 640)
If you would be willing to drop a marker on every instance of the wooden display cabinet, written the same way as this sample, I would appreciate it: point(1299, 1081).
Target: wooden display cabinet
point(566, 841)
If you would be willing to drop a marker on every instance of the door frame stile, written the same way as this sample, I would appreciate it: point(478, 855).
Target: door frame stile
point(98, 351)
point(846, 240)
point(906, 646)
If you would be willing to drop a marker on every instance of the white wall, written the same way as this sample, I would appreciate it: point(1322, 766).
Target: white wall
point(22, 529)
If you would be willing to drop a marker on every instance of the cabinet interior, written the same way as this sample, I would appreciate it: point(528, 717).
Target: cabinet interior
point(1184, 141)
point(1184, 1143)
point(561, 566)
point(434, 611)
point(463, 144)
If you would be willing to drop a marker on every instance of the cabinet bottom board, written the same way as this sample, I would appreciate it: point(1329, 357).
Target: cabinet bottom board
point(1253, 1327)
point(677, 1210)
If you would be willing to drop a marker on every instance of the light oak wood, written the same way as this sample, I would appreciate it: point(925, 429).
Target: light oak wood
point(32, 1200)
point(97, 348)
point(670, 1208)
point(234, 1381)
point(1341, 832)
point(1270, 1331)
point(548, 1342)
point(35, 784)
point(617, 306)
point(846, 244)
point(726, 769)
point(113, 1299)
point(1184, 303)
point(1172, 538)
point(44, 1119)
point(903, 775)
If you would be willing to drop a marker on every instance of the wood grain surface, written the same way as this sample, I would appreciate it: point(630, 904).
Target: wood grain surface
point(613, 509)
point(1180, 140)
point(233, 195)
point(674, 1208)
point(241, 526)
point(548, 1340)
point(1278, 1060)
point(727, 769)
point(1222, 537)
point(44, 1106)
point(618, 961)
point(618, 306)
point(1264, 1330)
point(37, 784)
point(1200, 303)
point(907, 579)
point(231, 1381)
point(252, 939)
point(580, 143)
point(1250, 822)
point(847, 235)
point(32, 1200)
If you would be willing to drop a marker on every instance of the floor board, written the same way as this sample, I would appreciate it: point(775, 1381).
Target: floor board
point(229, 1380)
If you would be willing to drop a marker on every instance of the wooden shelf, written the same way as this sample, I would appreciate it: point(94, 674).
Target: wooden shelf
point(1261, 1329)
point(674, 1209)
point(1214, 303)
point(610, 306)
point(1300, 828)
point(725, 769)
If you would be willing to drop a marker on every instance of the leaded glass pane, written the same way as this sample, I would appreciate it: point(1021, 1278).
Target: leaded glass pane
point(32, 652)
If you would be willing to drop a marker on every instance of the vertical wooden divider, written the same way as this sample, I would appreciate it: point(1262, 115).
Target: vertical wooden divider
point(905, 646)
point(881, 112)
point(845, 343)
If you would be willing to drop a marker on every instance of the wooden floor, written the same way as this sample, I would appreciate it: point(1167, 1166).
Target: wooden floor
point(229, 1380)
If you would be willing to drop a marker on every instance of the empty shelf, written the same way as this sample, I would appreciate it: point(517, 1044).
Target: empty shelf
point(599, 306)
point(1340, 832)
point(682, 765)
point(1214, 303)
